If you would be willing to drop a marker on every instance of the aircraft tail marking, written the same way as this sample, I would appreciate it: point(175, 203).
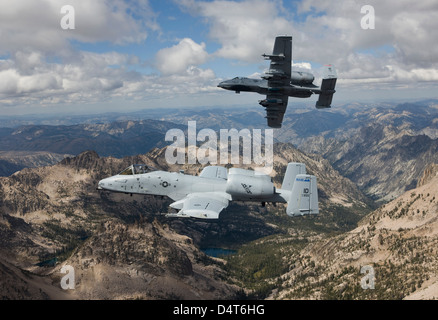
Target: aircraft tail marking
point(293, 168)
point(304, 196)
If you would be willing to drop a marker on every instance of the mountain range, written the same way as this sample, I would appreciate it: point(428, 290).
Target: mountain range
point(398, 241)
point(53, 216)
point(117, 138)
point(39, 145)
point(370, 144)
point(376, 185)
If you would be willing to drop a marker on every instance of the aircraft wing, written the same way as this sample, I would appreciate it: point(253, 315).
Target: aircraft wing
point(281, 59)
point(278, 77)
point(205, 205)
point(275, 108)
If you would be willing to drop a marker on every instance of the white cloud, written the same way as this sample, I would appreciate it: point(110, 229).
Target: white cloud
point(405, 26)
point(302, 66)
point(38, 83)
point(8, 82)
point(39, 65)
point(39, 62)
point(36, 24)
point(402, 47)
point(30, 75)
point(180, 57)
point(245, 29)
point(92, 77)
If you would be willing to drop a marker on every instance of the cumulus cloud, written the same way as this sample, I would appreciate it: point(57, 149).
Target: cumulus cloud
point(180, 57)
point(27, 78)
point(28, 73)
point(245, 29)
point(402, 43)
point(8, 81)
point(402, 47)
point(40, 62)
point(37, 24)
point(38, 59)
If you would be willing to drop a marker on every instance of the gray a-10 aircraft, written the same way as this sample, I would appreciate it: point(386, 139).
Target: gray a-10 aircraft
point(206, 195)
point(280, 83)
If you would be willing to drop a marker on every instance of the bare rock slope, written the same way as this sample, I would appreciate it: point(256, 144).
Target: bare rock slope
point(399, 241)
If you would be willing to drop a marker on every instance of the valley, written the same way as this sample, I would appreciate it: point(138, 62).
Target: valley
point(376, 185)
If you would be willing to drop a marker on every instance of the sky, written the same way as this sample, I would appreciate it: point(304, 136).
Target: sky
point(78, 56)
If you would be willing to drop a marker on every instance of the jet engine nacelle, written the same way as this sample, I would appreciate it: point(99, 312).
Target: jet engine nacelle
point(248, 184)
point(298, 92)
point(299, 77)
point(270, 102)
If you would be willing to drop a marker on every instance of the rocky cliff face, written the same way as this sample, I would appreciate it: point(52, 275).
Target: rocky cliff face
point(54, 214)
point(145, 260)
point(430, 172)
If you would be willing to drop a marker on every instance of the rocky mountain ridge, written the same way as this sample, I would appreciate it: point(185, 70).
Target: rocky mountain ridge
point(117, 139)
point(387, 154)
point(121, 246)
point(51, 216)
point(13, 161)
point(50, 212)
point(398, 241)
point(381, 147)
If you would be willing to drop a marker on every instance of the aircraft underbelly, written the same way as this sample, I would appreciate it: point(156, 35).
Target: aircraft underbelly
point(241, 87)
point(278, 198)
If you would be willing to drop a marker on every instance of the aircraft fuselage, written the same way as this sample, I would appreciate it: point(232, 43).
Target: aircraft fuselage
point(206, 195)
point(178, 185)
point(297, 89)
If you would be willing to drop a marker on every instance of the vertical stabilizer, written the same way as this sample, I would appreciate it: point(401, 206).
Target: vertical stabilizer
point(292, 170)
point(304, 196)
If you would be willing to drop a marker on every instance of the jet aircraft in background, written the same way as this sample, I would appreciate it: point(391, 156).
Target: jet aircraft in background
point(206, 195)
point(280, 83)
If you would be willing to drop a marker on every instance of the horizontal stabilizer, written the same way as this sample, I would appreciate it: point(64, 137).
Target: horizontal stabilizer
point(327, 87)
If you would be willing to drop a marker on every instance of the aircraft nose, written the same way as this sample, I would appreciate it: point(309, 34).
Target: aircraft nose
point(224, 84)
point(103, 184)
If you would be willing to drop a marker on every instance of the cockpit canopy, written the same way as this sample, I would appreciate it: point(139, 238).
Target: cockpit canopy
point(136, 169)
